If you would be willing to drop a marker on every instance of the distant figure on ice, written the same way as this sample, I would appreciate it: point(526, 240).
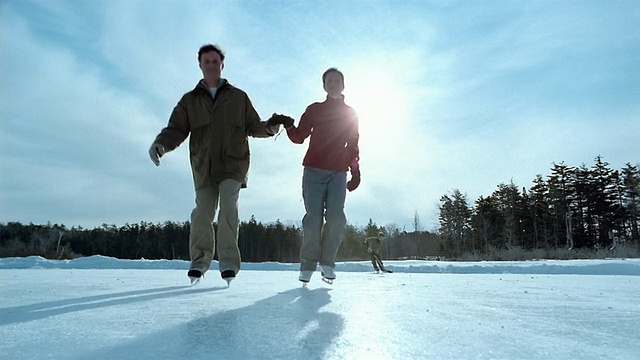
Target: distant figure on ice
point(373, 244)
point(218, 118)
point(333, 150)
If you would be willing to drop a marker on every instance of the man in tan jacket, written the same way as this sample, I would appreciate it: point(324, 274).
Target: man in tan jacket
point(219, 118)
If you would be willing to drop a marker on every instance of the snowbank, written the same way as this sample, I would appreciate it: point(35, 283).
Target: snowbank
point(565, 267)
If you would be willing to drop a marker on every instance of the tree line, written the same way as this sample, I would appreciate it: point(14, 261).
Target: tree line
point(258, 242)
point(573, 208)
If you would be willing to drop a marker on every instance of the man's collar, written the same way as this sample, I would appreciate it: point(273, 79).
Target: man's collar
point(221, 83)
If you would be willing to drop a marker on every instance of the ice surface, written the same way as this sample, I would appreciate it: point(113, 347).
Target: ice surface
point(101, 308)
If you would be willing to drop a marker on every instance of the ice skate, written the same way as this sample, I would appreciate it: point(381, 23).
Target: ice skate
point(305, 277)
point(194, 276)
point(228, 275)
point(328, 274)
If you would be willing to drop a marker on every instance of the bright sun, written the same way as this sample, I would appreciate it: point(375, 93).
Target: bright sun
point(382, 107)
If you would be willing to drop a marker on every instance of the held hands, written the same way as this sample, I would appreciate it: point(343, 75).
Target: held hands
point(155, 153)
point(355, 180)
point(279, 119)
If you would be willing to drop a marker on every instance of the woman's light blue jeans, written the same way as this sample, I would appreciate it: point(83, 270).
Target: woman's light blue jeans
point(323, 225)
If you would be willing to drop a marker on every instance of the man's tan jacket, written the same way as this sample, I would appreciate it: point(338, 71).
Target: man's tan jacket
point(219, 129)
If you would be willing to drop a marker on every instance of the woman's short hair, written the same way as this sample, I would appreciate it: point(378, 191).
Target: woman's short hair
point(330, 70)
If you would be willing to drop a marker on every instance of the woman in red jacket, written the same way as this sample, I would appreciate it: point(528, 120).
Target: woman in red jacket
point(333, 150)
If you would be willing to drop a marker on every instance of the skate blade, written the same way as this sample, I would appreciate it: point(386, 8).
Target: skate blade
point(194, 280)
point(328, 281)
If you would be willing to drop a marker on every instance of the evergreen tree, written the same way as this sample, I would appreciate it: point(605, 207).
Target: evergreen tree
point(250, 239)
point(540, 212)
point(353, 243)
point(603, 196)
point(487, 223)
point(508, 200)
point(561, 196)
point(455, 223)
point(524, 207)
point(371, 229)
point(631, 201)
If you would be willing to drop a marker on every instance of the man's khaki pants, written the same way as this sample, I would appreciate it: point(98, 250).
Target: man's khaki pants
point(202, 236)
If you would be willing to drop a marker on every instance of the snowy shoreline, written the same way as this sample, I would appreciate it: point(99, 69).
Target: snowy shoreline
point(567, 267)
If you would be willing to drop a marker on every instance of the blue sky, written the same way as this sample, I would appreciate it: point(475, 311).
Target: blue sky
point(450, 94)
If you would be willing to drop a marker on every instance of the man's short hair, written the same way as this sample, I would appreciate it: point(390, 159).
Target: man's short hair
point(330, 70)
point(209, 47)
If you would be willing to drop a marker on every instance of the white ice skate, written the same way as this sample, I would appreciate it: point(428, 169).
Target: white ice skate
point(328, 274)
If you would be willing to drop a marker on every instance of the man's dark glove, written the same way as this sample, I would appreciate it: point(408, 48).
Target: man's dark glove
point(279, 119)
point(355, 180)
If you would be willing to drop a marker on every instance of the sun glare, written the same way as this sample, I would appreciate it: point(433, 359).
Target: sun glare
point(383, 108)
